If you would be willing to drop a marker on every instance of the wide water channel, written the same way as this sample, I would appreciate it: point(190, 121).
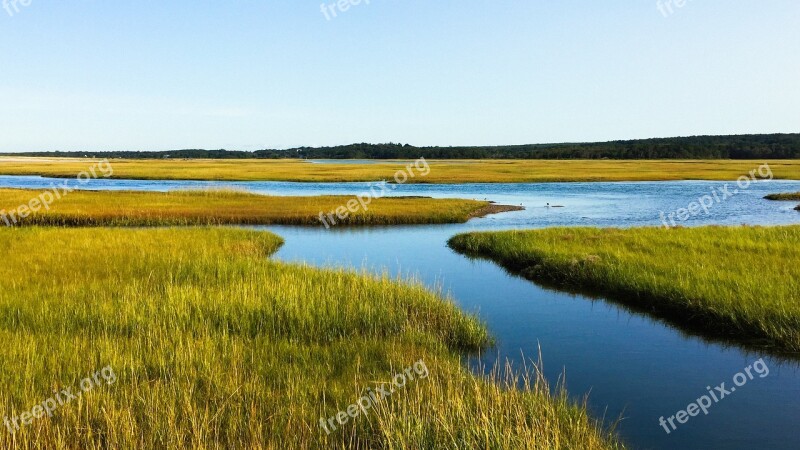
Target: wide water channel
point(631, 365)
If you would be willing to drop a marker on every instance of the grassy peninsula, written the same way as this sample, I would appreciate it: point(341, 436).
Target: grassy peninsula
point(741, 282)
point(128, 208)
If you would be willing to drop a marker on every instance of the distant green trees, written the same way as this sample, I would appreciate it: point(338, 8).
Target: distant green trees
point(753, 146)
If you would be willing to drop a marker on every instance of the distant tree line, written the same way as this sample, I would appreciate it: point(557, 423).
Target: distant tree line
point(755, 146)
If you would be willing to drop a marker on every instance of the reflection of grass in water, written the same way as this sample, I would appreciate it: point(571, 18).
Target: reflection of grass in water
point(742, 282)
point(216, 346)
point(214, 207)
point(451, 171)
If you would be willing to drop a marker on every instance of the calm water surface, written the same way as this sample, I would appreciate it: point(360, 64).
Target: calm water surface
point(631, 365)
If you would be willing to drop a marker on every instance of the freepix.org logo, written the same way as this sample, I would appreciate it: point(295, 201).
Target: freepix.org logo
point(13, 6)
point(332, 10)
point(46, 198)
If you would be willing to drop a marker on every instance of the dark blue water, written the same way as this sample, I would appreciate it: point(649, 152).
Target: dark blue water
point(631, 365)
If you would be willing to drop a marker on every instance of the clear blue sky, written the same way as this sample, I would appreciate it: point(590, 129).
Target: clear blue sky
point(155, 75)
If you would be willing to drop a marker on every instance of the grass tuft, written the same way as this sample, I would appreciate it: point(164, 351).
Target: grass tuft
point(784, 197)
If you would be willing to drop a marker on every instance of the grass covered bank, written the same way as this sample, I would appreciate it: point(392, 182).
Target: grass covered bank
point(441, 171)
point(126, 208)
point(742, 282)
point(215, 346)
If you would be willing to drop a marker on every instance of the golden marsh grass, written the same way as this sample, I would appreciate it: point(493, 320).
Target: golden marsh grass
point(441, 171)
point(127, 208)
point(217, 347)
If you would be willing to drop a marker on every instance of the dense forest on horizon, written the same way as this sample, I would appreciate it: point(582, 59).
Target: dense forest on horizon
point(753, 146)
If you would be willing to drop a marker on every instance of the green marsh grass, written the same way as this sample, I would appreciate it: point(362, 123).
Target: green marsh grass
point(738, 282)
point(216, 346)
